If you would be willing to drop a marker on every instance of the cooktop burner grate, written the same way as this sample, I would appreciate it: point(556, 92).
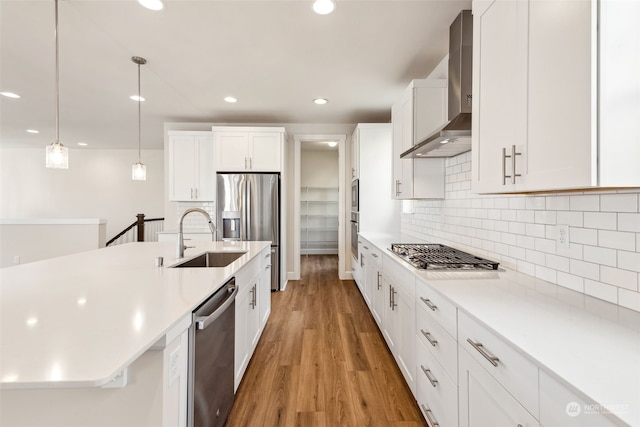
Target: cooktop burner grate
point(429, 256)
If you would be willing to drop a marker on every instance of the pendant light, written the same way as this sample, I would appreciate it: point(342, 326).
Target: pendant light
point(139, 170)
point(57, 155)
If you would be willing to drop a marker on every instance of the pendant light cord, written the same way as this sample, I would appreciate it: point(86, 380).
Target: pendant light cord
point(57, 141)
point(139, 114)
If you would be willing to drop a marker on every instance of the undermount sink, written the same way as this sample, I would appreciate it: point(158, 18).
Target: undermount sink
point(211, 259)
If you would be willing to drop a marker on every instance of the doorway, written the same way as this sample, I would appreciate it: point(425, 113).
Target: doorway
point(319, 201)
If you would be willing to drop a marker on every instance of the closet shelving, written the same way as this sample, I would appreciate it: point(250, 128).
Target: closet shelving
point(319, 220)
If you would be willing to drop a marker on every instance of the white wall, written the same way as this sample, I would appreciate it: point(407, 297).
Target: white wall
point(97, 185)
point(319, 168)
point(520, 232)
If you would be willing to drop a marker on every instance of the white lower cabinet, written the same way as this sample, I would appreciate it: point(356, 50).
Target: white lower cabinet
point(399, 318)
point(264, 294)
point(483, 401)
point(560, 406)
point(437, 393)
point(248, 318)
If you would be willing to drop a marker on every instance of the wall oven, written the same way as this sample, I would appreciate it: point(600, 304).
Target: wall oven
point(354, 234)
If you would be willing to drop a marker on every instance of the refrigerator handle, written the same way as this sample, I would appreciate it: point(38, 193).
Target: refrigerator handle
point(247, 211)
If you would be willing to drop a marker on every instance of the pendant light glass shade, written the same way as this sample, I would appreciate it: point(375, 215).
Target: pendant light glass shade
point(139, 170)
point(57, 155)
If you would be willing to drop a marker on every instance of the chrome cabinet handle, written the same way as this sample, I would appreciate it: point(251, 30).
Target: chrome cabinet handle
point(250, 162)
point(393, 298)
point(429, 415)
point(478, 346)
point(252, 303)
point(379, 280)
point(374, 255)
point(366, 247)
point(196, 191)
point(192, 192)
point(427, 335)
point(429, 304)
point(511, 156)
point(397, 187)
point(431, 378)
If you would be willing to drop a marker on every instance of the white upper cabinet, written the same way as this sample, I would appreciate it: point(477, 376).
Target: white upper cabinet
point(240, 149)
point(191, 166)
point(552, 106)
point(420, 112)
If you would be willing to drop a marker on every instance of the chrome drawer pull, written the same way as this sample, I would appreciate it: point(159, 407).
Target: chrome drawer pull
point(478, 346)
point(374, 255)
point(430, 418)
point(427, 335)
point(431, 378)
point(431, 305)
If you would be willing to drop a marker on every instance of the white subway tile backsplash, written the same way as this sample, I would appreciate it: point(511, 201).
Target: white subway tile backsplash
point(629, 260)
point(571, 282)
point(601, 290)
point(619, 203)
point(545, 217)
point(602, 220)
point(574, 219)
point(629, 222)
point(556, 262)
point(617, 240)
point(599, 255)
point(583, 235)
point(558, 203)
point(546, 274)
point(629, 299)
point(587, 270)
point(519, 231)
point(535, 202)
point(545, 245)
point(620, 278)
point(584, 203)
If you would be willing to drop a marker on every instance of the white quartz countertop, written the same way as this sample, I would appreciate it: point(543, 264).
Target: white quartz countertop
point(590, 345)
point(79, 320)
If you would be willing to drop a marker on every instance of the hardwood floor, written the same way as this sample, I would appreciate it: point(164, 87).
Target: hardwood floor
point(321, 360)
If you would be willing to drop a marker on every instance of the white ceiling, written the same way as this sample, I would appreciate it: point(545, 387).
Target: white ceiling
point(274, 56)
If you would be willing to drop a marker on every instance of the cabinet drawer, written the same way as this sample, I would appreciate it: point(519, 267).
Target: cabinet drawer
point(440, 309)
point(559, 406)
point(399, 275)
point(443, 347)
point(509, 367)
point(435, 390)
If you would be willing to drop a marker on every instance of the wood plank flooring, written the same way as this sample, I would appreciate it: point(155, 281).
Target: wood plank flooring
point(321, 360)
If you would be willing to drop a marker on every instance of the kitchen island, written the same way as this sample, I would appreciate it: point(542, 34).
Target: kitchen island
point(101, 336)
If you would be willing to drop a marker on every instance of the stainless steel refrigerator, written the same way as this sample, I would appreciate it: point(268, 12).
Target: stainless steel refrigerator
point(249, 209)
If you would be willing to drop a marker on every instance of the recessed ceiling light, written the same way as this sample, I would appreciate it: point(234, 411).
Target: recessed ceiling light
point(152, 4)
point(10, 94)
point(82, 144)
point(323, 7)
point(320, 101)
point(137, 98)
point(332, 143)
point(230, 99)
point(33, 131)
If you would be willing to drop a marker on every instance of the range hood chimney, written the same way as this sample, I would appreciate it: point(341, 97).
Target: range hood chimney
point(454, 137)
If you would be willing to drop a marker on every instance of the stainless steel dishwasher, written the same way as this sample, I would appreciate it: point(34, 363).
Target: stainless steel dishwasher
point(211, 342)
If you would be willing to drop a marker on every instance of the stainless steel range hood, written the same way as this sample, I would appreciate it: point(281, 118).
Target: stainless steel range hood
point(454, 137)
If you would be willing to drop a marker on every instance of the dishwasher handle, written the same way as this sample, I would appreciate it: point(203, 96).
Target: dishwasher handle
point(203, 321)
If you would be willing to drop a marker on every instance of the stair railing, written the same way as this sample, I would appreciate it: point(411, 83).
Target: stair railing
point(141, 230)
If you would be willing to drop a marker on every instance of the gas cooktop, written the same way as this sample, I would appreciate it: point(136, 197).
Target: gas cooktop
point(434, 256)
